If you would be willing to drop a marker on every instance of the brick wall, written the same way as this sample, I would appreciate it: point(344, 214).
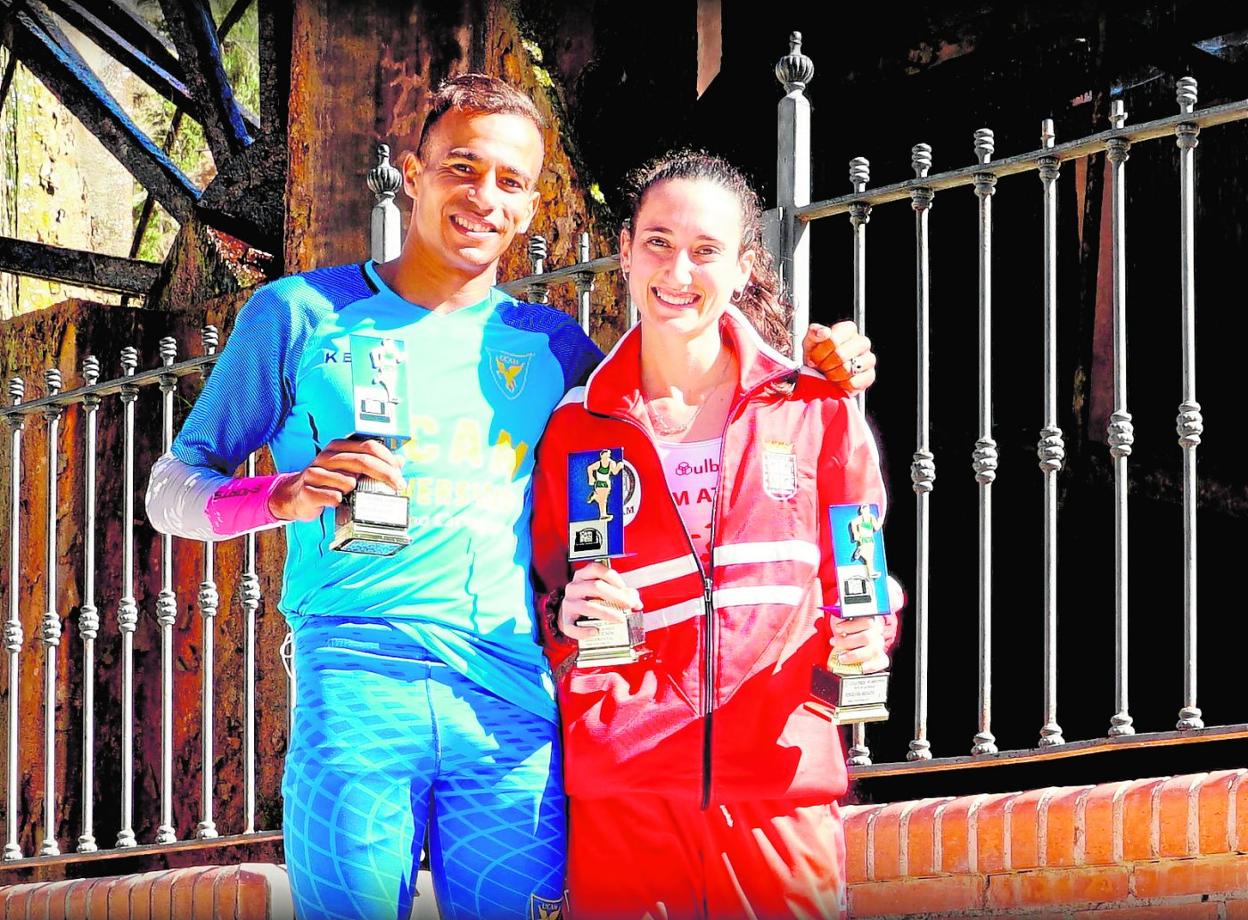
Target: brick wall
point(1171, 847)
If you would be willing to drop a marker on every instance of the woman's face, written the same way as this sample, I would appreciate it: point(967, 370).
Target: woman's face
point(683, 256)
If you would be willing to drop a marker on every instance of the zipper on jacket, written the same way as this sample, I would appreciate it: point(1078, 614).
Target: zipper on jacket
point(709, 701)
point(708, 602)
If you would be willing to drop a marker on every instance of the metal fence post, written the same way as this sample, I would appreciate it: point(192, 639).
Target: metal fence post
point(794, 71)
point(386, 233)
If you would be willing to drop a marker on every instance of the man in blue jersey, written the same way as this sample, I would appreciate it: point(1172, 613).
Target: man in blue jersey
point(423, 699)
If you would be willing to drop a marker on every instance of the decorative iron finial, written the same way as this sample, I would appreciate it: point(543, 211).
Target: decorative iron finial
point(1186, 94)
point(129, 360)
point(984, 145)
point(859, 173)
point(383, 179)
point(91, 369)
point(1047, 137)
point(52, 379)
point(921, 160)
point(209, 338)
point(17, 389)
point(1117, 113)
point(168, 350)
point(537, 253)
point(795, 69)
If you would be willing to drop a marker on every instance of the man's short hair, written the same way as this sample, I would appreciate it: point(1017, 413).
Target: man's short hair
point(480, 94)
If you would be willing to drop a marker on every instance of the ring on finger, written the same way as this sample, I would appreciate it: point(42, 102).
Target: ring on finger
point(855, 366)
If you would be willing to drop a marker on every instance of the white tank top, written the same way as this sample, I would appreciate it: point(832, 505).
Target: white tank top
point(692, 472)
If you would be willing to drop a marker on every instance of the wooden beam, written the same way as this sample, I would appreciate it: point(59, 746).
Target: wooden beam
point(71, 81)
point(191, 27)
point(129, 24)
point(74, 266)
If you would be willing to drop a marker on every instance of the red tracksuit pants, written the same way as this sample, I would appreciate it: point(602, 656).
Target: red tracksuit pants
point(659, 859)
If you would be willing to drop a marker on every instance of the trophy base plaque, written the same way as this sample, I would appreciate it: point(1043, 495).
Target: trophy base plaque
point(846, 698)
point(616, 643)
point(371, 521)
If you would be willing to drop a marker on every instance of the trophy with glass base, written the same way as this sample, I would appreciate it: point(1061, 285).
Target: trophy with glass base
point(842, 692)
point(372, 519)
point(596, 534)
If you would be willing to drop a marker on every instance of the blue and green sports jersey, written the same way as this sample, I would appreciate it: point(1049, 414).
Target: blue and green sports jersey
point(482, 382)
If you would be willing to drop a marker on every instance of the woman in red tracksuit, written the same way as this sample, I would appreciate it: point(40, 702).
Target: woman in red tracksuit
point(700, 784)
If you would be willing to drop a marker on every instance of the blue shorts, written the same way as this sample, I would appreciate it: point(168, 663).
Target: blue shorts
point(388, 742)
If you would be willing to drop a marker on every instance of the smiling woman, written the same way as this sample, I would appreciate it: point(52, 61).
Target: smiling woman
point(694, 768)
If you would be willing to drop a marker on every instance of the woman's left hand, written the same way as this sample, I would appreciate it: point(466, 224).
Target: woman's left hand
point(860, 640)
point(842, 354)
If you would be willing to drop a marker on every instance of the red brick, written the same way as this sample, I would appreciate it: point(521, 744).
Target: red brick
point(1239, 790)
point(1193, 910)
point(1177, 816)
point(921, 838)
point(141, 897)
point(1137, 820)
point(37, 904)
point(1237, 909)
point(97, 900)
point(1064, 834)
point(57, 893)
point(1098, 824)
point(181, 891)
point(1054, 887)
point(76, 899)
point(1025, 843)
point(203, 888)
point(16, 900)
point(955, 839)
point(1213, 810)
point(990, 842)
point(161, 888)
point(121, 896)
point(886, 841)
point(917, 895)
point(1205, 875)
point(253, 898)
point(856, 818)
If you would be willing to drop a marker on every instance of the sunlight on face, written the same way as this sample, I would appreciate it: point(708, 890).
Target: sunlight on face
point(683, 257)
point(476, 187)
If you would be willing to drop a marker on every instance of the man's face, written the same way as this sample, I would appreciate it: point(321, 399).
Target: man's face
point(476, 186)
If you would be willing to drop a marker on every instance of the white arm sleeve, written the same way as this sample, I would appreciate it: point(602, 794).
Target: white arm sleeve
point(177, 496)
point(177, 499)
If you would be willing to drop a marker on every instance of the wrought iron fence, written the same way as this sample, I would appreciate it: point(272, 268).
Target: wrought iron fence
point(790, 222)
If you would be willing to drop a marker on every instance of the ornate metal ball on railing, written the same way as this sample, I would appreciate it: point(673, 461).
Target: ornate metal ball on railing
point(209, 338)
point(384, 180)
point(91, 370)
point(52, 379)
point(129, 360)
point(921, 160)
point(984, 145)
point(795, 69)
point(1185, 94)
point(168, 350)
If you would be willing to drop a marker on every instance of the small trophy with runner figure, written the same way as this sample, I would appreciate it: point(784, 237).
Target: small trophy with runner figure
point(596, 534)
point(372, 520)
point(842, 692)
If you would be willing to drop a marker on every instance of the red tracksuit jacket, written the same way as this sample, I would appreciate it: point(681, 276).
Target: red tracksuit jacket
point(715, 712)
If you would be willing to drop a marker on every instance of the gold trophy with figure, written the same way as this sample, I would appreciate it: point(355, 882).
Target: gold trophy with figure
point(842, 692)
point(372, 520)
point(596, 534)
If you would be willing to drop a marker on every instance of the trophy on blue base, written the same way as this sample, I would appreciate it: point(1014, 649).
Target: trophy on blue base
point(372, 520)
point(843, 692)
point(595, 534)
